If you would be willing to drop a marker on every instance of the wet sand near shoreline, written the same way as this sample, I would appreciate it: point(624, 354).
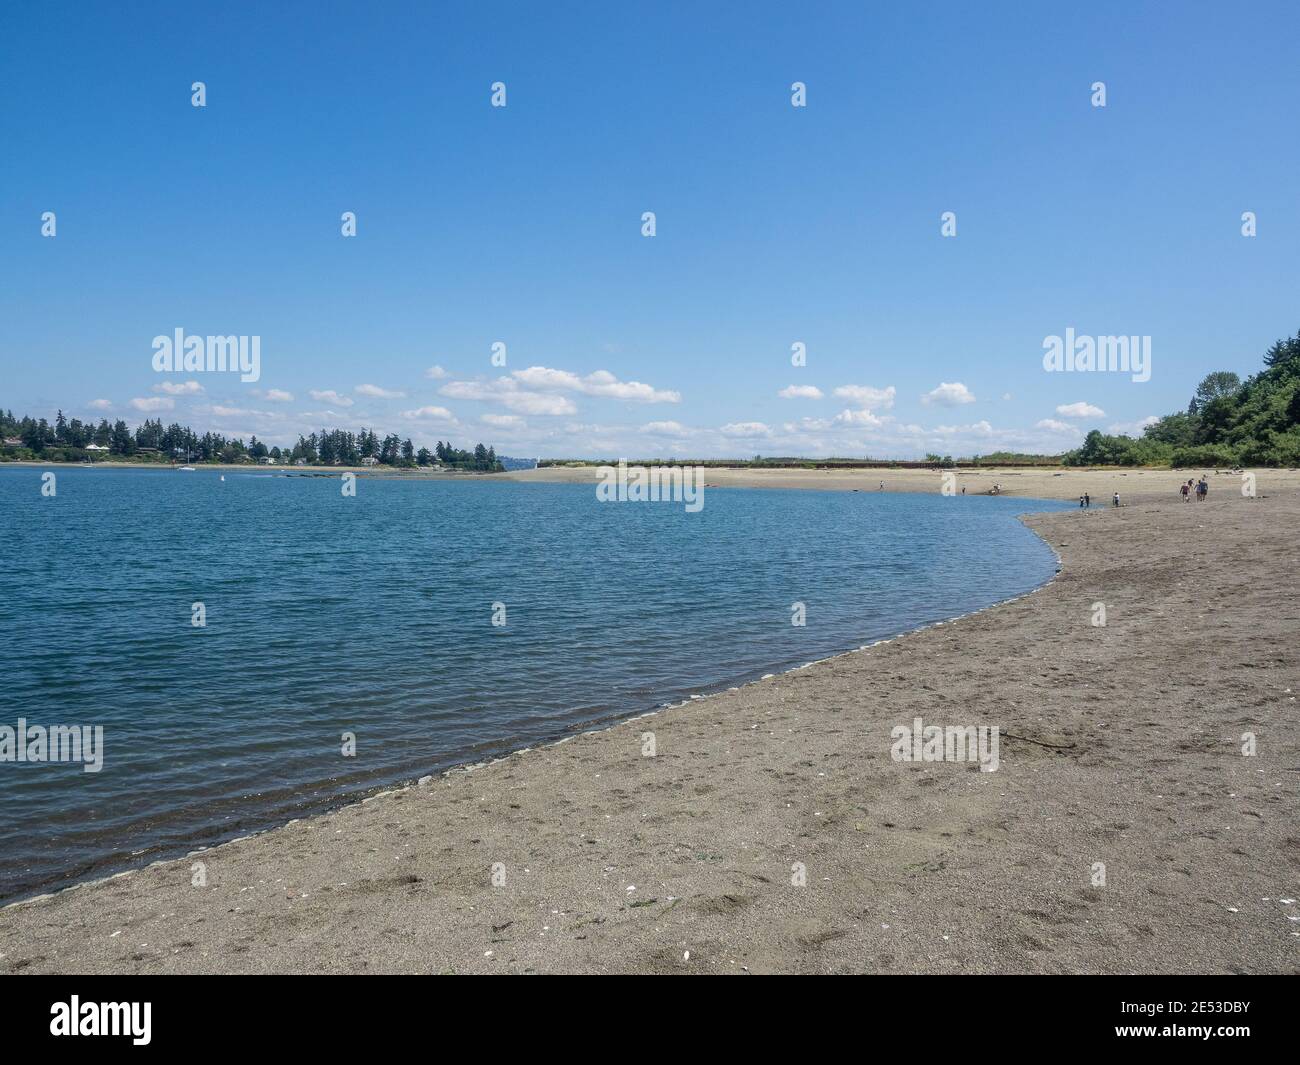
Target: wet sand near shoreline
point(1120, 745)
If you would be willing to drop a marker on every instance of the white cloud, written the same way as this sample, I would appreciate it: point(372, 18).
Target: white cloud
point(949, 394)
point(429, 414)
point(534, 403)
point(506, 391)
point(504, 421)
point(1132, 428)
point(1054, 426)
point(745, 430)
point(328, 395)
point(437, 373)
point(241, 412)
point(665, 429)
point(1080, 410)
point(100, 404)
point(545, 378)
point(538, 390)
point(277, 395)
point(599, 383)
point(853, 435)
point(153, 403)
point(184, 388)
point(378, 393)
point(800, 392)
point(882, 398)
point(856, 433)
point(980, 428)
point(479, 390)
point(858, 417)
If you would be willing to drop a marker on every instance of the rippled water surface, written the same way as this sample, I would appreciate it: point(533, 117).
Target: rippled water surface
point(373, 615)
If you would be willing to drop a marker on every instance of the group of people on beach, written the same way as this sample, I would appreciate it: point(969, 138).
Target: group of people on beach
point(1188, 488)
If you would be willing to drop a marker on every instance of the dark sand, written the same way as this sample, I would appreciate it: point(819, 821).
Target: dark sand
point(615, 862)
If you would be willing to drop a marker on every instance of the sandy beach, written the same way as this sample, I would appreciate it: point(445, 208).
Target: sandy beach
point(1120, 744)
point(1048, 482)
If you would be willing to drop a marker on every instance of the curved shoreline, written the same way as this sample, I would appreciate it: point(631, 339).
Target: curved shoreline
point(909, 868)
point(181, 852)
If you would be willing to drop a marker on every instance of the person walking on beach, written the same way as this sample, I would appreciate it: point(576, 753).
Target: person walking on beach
point(1202, 490)
point(1114, 502)
point(1186, 489)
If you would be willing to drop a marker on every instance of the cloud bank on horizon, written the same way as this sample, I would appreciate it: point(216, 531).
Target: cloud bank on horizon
point(540, 410)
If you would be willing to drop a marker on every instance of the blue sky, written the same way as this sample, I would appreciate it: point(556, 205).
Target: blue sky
point(522, 224)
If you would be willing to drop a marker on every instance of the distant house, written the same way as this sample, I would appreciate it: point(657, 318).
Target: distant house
point(92, 447)
point(13, 441)
point(300, 462)
point(267, 460)
point(369, 460)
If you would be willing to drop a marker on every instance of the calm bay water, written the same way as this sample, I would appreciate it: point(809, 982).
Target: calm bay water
point(373, 615)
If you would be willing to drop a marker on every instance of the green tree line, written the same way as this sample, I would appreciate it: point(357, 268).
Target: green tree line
point(1228, 422)
point(68, 440)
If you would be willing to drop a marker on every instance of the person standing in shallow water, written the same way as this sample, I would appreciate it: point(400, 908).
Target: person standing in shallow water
point(1114, 502)
point(1087, 501)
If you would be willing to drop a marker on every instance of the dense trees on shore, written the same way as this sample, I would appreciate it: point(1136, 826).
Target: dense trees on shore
point(341, 448)
point(70, 440)
point(1229, 422)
